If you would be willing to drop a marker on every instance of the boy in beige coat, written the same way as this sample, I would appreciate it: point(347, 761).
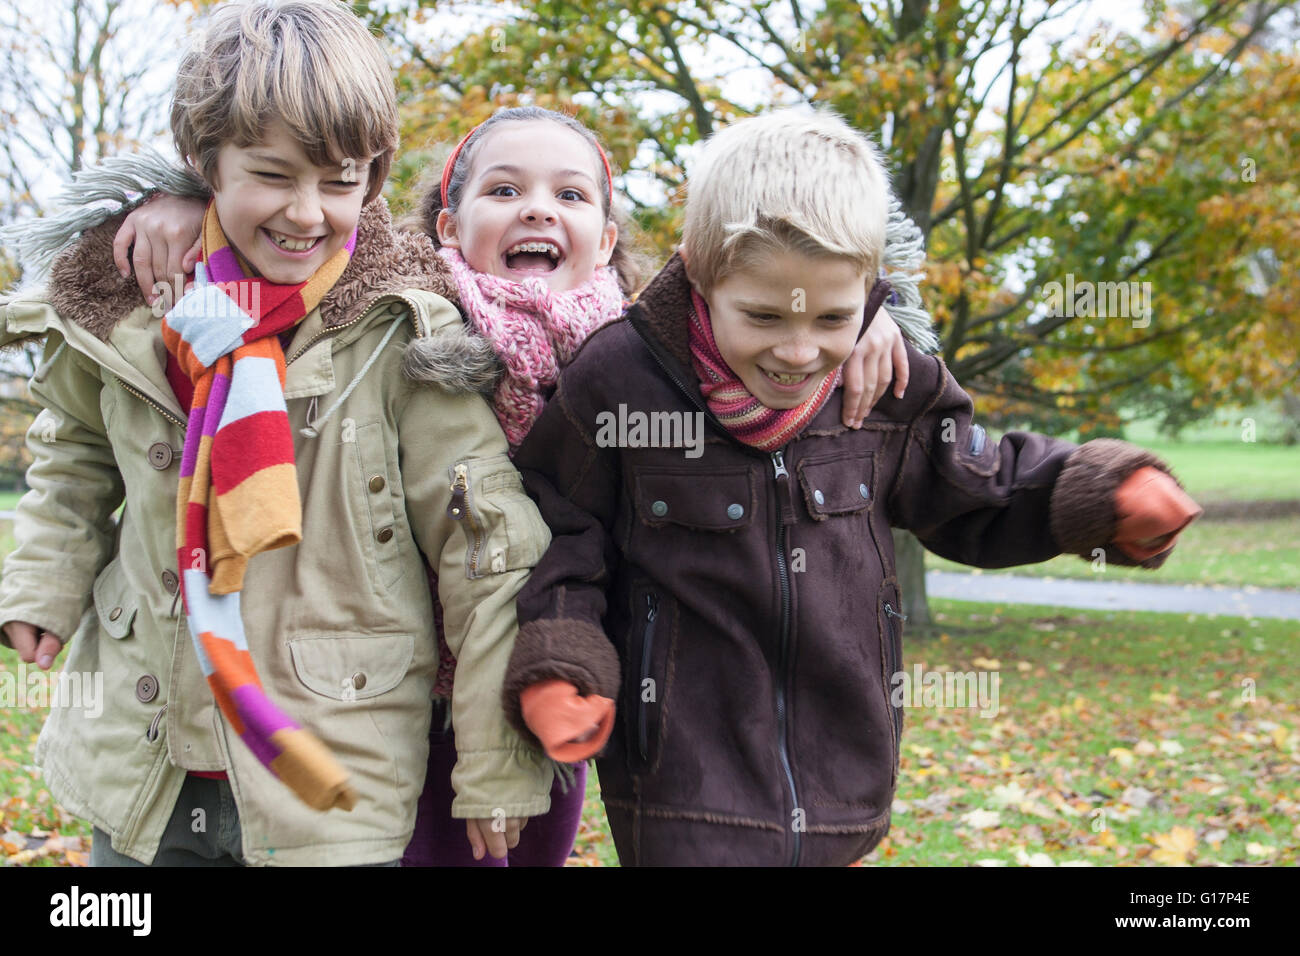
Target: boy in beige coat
point(339, 625)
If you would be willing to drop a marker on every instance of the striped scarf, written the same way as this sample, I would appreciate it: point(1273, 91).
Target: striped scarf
point(238, 491)
point(748, 419)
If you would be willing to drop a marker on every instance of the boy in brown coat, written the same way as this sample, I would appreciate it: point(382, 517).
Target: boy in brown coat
point(736, 604)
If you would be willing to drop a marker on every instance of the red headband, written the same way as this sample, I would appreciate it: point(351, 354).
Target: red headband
point(451, 164)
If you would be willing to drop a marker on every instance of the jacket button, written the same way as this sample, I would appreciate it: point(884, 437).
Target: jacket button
point(146, 688)
point(114, 614)
point(377, 483)
point(160, 455)
point(385, 534)
point(819, 497)
point(397, 308)
point(358, 680)
point(735, 512)
point(659, 509)
point(169, 581)
point(862, 490)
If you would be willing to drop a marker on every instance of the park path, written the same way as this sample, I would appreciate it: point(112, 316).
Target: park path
point(1115, 595)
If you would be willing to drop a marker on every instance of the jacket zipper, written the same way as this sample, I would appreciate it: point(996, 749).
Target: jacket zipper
point(647, 644)
point(783, 486)
point(890, 613)
point(152, 404)
point(783, 572)
point(459, 509)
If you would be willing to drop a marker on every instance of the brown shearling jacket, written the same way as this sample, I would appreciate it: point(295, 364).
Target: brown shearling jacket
point(742, 608)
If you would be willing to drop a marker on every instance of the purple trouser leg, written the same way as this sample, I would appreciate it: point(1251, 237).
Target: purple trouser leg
point(440, 840)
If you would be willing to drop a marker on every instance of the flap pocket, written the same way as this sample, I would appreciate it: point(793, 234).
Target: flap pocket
point(502, 525)
point(114, 602)
point(352, 668)
point(706, 501)
point(837, 486)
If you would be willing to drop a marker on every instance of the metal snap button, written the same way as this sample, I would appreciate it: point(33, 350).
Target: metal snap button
point(114, 614)
point(376, 483)
point(146, 688)
point(659, 509)
point(385, 534)
point(160, 455)
point(735, 512)
point(819, 497)
point(169, 581)
point(358, 680)
point(862, 490)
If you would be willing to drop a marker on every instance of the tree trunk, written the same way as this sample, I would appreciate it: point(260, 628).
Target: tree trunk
point(909, 560)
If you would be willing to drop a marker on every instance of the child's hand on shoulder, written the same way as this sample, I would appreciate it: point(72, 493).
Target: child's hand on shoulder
point(879, 356)
point(165, 233)
point(485, 838)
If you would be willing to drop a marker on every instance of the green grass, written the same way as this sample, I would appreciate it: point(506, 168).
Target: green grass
point(1263, 554)
point(1113, 730)
point(9, 499)
point(1092, 706)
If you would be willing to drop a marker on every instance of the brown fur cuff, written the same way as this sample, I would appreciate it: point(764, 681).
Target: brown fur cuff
point(1083, 502)
point(559, 650)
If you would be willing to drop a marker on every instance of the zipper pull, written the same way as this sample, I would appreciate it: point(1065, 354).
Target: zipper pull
point(890, 611)
point(459, 488)
point(652, 608)
point(783, 488)
point(778, 465)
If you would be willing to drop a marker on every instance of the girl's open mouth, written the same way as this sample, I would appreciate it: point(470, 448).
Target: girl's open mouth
point(533, 257)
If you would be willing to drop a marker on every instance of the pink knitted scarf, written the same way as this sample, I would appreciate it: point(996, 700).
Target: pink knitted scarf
point(745, 416)
point(534, 331)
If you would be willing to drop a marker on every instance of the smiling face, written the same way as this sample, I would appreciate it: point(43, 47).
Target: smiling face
point(284, 214)
point(781, 354)
point(532, 207)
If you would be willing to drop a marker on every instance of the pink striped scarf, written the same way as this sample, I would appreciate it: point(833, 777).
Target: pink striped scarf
point(534, 331)
point(748, 419)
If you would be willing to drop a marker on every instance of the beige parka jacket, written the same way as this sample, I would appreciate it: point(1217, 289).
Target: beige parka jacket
point(340, 625)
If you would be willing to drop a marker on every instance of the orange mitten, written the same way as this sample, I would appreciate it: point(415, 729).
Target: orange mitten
point(1152, 510)
point(570, 727)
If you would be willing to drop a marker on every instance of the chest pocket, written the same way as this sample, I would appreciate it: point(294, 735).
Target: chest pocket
point(842, 485)
point(717, 501)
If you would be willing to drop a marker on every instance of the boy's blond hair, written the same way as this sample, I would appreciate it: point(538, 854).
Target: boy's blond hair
point(309, 63)
point(793, 179)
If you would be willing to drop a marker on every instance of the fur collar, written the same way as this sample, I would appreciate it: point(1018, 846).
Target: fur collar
point(664, 309)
